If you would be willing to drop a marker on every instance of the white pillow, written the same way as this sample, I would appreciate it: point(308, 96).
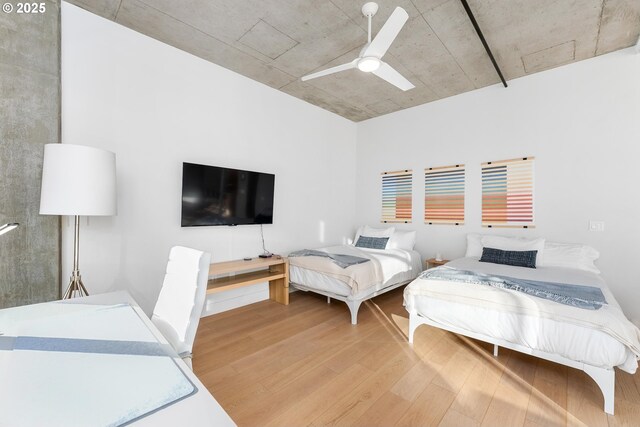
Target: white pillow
point(516, 244)
point(405, 240)
point(374, 232)
point(569, 255)
point(474, 245)
point(358, 234)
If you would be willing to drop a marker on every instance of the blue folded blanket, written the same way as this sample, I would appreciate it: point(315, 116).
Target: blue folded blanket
point(581, 296)
point(341, 260)
point(81, 345)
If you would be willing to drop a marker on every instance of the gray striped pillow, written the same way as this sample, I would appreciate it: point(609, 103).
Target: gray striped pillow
point(515, 258)
point(372, 242)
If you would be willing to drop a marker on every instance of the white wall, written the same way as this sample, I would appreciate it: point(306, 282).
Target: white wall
point(155, 107)
point(581, 122)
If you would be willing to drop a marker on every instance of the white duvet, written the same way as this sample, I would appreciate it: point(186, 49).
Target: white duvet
point(395, 266)
point(603, 338)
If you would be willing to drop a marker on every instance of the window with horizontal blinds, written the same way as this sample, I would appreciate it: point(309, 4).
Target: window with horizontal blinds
point(444, 195)
point(396, 196)
point(507, 193)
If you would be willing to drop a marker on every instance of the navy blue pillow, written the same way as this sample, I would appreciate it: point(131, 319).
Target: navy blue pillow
point(515, 258)
point(372, 242)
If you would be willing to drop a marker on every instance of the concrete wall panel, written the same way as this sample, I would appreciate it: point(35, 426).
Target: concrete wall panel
point(29, 118)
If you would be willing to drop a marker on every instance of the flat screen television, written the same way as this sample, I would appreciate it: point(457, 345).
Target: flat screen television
point(213, 195)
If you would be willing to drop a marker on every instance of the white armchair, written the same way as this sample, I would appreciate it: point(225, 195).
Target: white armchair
point(181, 300)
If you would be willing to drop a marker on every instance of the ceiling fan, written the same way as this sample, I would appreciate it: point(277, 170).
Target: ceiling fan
point(370, 58)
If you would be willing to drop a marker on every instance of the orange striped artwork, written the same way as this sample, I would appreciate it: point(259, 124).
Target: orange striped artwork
point(444, 195)
point(507, 193)
point(396, 196)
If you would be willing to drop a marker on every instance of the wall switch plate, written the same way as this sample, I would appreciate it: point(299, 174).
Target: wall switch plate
point(596, 225)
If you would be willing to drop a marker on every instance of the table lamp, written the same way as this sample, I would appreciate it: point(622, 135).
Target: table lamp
point(77, 180)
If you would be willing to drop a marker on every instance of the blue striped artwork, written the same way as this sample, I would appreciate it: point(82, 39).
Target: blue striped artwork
point(397, 196)
point(444, 195)
point(507, 193)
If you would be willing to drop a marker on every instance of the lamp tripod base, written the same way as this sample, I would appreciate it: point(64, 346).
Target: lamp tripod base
point(75, 288)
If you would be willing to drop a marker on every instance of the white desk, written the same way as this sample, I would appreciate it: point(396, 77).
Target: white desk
point(199, 409)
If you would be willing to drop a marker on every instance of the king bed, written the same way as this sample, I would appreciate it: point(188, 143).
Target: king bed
point(558, 311)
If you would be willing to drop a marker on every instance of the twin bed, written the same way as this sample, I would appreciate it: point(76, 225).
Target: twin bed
point(386, 269)
point(594, 339)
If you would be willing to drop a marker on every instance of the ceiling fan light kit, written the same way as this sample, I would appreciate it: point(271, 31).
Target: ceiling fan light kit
point(370, 58)
point(368, 64)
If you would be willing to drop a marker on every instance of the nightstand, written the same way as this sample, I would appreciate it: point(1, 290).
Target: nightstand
point(432, 262)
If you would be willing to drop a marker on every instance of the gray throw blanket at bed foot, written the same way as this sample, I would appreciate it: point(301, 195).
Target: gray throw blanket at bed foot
point(587, 297)
point(341, 260)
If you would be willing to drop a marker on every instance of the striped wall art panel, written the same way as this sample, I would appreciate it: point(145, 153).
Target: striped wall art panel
point(396, 196)
point(507, 193)
point(444, 195)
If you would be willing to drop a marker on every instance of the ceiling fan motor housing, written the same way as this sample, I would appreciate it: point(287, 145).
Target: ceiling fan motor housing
point(369, 9)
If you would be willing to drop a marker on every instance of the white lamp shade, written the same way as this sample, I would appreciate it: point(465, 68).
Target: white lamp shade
point(78, 180)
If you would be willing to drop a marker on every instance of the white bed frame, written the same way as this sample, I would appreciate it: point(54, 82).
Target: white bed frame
point(604, 378)
point(353, 304)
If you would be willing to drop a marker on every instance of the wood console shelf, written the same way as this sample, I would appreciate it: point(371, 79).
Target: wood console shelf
point(224, 276)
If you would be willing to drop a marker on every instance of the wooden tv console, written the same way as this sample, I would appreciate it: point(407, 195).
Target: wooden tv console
point(227, 275)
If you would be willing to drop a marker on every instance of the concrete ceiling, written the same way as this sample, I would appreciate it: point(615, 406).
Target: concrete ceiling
point(278, 41)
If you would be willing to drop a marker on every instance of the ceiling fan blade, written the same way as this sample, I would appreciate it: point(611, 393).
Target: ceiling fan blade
point(331, 70)
point(387, 34)
point(386, 72)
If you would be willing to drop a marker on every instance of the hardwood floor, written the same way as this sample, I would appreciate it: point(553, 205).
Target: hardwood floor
point(305, 364)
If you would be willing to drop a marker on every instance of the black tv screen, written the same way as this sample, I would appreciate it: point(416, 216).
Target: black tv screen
point(213, 195)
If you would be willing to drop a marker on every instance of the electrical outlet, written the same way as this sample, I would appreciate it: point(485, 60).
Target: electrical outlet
point(596, 225)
